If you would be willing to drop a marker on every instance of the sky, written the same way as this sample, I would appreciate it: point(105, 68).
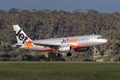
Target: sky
point(108, 6)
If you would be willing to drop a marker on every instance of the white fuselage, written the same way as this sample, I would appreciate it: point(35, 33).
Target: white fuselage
point(65, 42)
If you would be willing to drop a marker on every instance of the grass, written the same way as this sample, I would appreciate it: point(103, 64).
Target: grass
point(59, 71)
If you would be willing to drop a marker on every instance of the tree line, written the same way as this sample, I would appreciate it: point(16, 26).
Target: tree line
point(43, 24)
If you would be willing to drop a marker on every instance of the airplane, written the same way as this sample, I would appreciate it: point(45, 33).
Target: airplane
point(67, 44)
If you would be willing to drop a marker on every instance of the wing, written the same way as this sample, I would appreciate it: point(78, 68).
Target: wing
point(52, 45)
point(48, 45)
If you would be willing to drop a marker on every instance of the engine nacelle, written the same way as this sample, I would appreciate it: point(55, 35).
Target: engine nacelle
point(81, 49)
point(64, 48)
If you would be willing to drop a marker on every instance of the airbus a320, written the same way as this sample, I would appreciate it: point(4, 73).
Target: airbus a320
point(67, 44)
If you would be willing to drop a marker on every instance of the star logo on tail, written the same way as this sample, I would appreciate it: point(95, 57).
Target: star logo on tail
point(28, 44)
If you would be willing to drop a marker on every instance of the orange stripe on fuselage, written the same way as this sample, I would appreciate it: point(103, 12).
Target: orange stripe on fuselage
point(76, 47)
point(47, 50)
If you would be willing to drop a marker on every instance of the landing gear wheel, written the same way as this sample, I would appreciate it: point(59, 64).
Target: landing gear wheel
point(58, 54)
point(69, 54)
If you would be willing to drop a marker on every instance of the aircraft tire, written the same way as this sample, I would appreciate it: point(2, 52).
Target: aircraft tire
point(69, 54)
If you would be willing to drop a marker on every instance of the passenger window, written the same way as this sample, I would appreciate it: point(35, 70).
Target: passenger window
point(100, 37)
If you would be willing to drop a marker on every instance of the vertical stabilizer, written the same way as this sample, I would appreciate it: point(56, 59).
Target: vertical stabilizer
point(22, 38)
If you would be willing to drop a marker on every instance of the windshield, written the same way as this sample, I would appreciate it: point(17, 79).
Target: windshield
point(100, 37)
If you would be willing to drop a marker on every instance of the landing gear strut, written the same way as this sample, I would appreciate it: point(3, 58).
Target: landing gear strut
point(69, 52)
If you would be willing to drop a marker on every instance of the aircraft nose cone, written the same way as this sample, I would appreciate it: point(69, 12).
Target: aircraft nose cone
point(104, 41)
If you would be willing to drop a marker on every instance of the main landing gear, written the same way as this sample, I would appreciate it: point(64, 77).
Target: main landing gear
point(69, 53)
point(59, 54)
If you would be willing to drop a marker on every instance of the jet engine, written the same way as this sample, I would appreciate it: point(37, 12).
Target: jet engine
point(66, 48)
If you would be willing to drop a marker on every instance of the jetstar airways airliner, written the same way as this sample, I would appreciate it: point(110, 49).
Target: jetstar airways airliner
point(77, 43)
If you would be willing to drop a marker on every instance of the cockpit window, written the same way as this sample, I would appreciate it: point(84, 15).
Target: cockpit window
point(100, 37)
